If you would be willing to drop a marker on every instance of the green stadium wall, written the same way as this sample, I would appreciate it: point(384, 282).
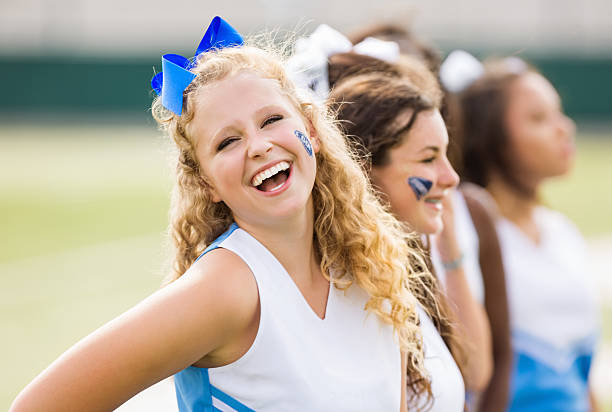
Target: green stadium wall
point(90, 85)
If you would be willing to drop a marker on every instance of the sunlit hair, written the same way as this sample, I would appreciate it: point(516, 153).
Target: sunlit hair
point(377, 110)
point(357, 239)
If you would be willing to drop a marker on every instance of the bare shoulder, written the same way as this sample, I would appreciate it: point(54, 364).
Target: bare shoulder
point(220, 268)
point(225, 279)
point(214, 303)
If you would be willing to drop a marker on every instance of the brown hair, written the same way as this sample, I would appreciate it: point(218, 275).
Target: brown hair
point(376, 111)
point(373, 97)
point(343, 65)
point(477, 115)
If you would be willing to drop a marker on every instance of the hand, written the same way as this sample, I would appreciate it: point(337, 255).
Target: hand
point(446, 240)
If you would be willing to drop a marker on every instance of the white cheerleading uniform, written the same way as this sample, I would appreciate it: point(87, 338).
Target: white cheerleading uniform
point(446, 381)
point(467, 238)
point(348, 361)
point(553, 314)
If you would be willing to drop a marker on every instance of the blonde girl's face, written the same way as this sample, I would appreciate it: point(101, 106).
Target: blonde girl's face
point(255, 150)
point(541, 136)
point(422, 154)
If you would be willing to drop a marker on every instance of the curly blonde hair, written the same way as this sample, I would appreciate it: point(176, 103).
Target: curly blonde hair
point(356, 238)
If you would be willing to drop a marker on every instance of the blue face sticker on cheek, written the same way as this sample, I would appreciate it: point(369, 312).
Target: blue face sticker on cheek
point(420, 186)
point(305, 141)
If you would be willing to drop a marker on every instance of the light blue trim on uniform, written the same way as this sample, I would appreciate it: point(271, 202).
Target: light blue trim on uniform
point(538, 388)
point(228, 400)
point(194, 392)
point(192, 387)
point(555, 357)
point(218, 240)
point(549, 379)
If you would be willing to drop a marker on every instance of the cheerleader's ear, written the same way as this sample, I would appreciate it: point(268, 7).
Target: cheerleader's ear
point(214, 196)
point(314, 137)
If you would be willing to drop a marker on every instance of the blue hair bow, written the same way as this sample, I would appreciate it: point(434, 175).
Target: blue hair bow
point(175, 76)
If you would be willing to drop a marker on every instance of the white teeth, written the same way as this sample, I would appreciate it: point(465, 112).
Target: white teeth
point(263, 175)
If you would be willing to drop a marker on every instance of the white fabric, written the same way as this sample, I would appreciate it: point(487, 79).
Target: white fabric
point(348, 361)
point(388, 51)
point(307, 67)
point(459, 70)
point(446, 382)
point(550, 292)
point(325, 39)
point(308, 71)
point(467, 238)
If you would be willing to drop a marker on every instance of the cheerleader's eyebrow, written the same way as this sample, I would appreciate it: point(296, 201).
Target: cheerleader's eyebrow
point(435, 149)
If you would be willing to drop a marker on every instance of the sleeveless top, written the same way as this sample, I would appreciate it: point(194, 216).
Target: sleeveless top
point(348, 361)
point(454, 398)
point(553, 315)
point(467, 237)
point(446, 381)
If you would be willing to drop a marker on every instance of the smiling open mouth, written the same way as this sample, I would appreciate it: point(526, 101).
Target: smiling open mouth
point(273, 178)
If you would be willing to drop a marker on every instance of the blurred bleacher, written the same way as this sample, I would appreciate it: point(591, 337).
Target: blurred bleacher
point(85, 56)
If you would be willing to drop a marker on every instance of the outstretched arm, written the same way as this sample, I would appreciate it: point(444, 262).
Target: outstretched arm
point(196, 317)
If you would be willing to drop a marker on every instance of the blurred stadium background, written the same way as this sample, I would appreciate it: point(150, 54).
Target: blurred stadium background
point(84, 177)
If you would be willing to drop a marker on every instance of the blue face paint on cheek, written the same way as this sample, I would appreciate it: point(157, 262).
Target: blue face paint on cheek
point(305, 141)
point(420, 186)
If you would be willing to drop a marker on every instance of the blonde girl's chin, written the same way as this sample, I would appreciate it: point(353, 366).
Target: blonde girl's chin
point(438, 228)
point(432, 226)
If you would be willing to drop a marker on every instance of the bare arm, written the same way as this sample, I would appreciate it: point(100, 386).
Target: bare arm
point(470, 313)
point(496, 395)
point(203, 312)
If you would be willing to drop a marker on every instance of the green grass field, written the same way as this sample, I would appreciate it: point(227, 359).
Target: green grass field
point(585, 196)
point(83, 212)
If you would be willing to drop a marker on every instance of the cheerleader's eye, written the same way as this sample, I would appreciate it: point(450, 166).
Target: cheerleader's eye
point(226, 142)
point(271, 119)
